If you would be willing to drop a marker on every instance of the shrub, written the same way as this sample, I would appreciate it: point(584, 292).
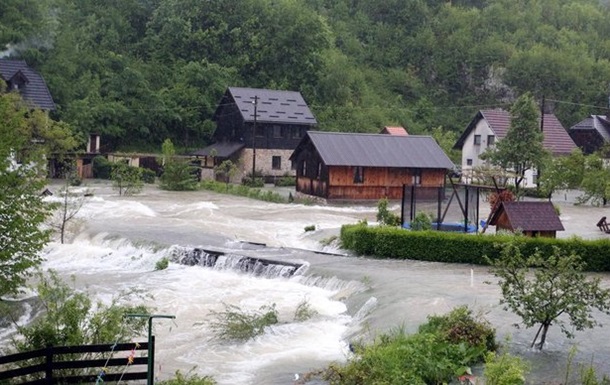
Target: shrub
point(178, 176)
point(148, 176)
point(385, 216)
point(310, 228)
point(181, 379)
point(422, 222)
point(102, 167)
point(439, 246)
point(504, 369)
point(72, 318)
point(304, 311)
point(286, 181)
point(461, 326)
point(162, 264)
point(256, 182)
point(236, 324)
point(428, 357)
point(126, 179)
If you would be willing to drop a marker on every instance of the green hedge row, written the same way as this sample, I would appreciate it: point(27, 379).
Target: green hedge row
point(438, 246)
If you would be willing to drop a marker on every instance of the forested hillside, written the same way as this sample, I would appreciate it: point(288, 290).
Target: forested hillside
point(140, 71)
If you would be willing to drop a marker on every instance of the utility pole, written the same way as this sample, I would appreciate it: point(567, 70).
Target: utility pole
point(254, 140)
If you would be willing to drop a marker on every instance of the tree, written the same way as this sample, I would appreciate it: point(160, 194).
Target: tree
point(228, 170)
point(68, 208)
point(548, 289)
point(563, 173)
point(126, 179)
point(521, 149)
point(595, 181)
point(177, 175)
point(22, 209)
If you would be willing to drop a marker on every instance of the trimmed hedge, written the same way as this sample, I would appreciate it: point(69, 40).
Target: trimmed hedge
point(438, 246)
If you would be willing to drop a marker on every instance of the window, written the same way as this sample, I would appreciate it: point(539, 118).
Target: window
point(358, 174)
point(260, 131)
point(277, 131)
point(276, 162)
point(417, 177)
point(296, 133)
point(469, 162)
point(491, 140)
point(477, 139)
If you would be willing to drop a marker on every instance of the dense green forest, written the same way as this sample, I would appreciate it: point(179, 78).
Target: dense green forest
point(141, 71)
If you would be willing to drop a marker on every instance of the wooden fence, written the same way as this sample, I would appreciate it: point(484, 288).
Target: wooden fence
point(75, 365)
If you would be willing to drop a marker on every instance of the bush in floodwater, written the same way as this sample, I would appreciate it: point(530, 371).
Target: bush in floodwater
point(188, 379)
point(310, 228)
point(162, 264)
point(304, 311)
point(236, 324)
point(460, 325)
point(504, 369)
point(431, 356)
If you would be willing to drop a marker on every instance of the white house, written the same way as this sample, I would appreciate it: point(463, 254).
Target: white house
point(490, 126)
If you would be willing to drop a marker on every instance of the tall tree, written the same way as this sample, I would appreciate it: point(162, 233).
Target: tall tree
point(521, 149)
point(22, 210)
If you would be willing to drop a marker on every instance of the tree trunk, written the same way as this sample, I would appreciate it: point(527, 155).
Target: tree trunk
point(545, 329)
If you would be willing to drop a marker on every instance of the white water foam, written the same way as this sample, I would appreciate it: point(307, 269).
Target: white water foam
point(105, 266)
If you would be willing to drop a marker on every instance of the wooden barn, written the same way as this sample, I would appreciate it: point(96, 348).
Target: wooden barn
point(367, 166)
point(531, 218)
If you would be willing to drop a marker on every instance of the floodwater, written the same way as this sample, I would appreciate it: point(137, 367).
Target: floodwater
point(119, 239)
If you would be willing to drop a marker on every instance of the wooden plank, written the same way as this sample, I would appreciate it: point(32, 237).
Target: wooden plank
point(23, 356)
point(57, 350)
point(12, 373)
point(98, 363)
point(91, 379)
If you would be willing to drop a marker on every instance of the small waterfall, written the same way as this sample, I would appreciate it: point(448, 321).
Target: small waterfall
point(260, 267)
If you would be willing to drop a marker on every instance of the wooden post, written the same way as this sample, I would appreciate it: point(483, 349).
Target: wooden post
point(48, 365)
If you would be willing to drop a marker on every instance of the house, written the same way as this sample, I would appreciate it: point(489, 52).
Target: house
point(591, 133)
point(367, 166)
point(398, 130)
point(258, 129)
point(490, 126)
point(19, 77)
point(531, 218)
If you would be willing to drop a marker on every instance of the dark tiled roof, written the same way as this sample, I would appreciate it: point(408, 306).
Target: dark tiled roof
point(222, 149)
point(287, 107)
point(34, 90)
point(599, 123)
point(394, 131)
point(530, 216)
point(556, 138)
point(377, 150)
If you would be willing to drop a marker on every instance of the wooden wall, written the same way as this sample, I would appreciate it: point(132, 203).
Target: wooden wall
point(378, 182)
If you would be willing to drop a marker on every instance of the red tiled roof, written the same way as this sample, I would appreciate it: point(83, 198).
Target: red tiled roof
point(398, 131)
point(556, 138)
point(529, 216)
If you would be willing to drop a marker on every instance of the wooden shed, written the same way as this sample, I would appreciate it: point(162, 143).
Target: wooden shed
point(531, 218)
point(354, 166)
